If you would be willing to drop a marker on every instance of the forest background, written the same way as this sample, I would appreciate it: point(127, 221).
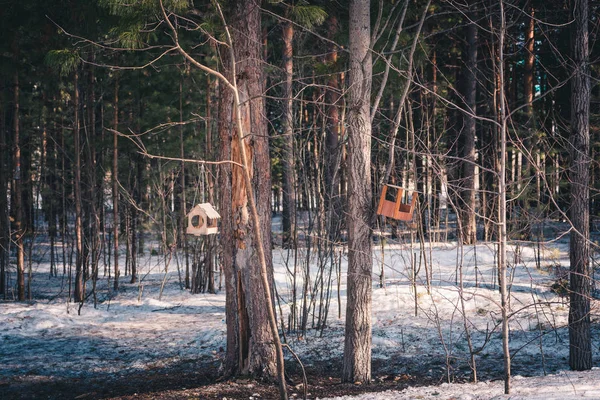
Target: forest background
point(116, 118)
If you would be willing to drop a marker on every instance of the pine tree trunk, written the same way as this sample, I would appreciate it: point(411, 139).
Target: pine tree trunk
point(4, 219)
point(52, 200)
point(332, 150)
point(580, 351)
point(357, 345)
point(436, 179)
point(183, 211)
point(288, 154)
point(79, 294)
point(212, 243)
point(489, 146)
point(91, 170)
point(18, 193)
point(250, 347)
point(502, 228)
point(467, 139)
point(528, 94)
point(63, 204)
point(138, 167)
point(210, 184)
point(452, 135)
point(421, 168)
point(115, 185)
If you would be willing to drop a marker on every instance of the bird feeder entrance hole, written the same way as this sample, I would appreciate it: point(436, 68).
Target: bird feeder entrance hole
point(202, 220)
point(392, 206)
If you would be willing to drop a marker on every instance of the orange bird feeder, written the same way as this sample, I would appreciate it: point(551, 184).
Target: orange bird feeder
point(395, 208)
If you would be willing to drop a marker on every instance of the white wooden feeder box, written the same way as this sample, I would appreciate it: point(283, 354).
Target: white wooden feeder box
point(203, 220)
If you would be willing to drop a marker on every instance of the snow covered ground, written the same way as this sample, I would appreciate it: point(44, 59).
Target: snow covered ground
point(136, 329)
point(564, 385)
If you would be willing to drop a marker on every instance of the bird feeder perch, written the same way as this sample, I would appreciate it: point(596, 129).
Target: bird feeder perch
point(395, 208)
point(203, 220)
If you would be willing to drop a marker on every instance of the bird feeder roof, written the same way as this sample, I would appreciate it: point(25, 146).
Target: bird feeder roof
point(208, 209)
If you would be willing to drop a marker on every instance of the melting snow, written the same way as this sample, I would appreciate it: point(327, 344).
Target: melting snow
point(137, 329)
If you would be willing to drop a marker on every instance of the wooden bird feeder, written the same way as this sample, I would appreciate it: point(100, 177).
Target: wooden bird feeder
point(203, 220)
point(395, 208)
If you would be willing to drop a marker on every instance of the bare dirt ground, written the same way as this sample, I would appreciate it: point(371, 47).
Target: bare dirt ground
point(195, 380)
point(199, 379)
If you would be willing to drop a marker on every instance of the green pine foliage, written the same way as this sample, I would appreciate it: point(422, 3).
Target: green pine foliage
point(64, 61)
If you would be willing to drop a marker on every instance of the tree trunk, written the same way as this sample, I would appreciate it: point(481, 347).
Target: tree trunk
point(137, 179)
point(502, 232)
point(79, 294)
point(115, 185)
point(580, 349)
point(17, 195)
point(183, 211)
point(208, 155)
point(250, 347)
point(93, 236)
point(63, 204)
point(4, 218)
point(52, 200)
point(533, 151)
point(467, 138)
point(357, 345)
point(332, 143)
point(211, 243)
point(288, 156)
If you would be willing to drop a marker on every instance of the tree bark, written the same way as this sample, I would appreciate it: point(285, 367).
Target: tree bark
point(580, 349)
point(115, 185)
point(529, 89)
point(357, 345)
point(18, 193)
point(182, 183)
point(4, 218)
point(135, 215)
point(332, 142)
point(288, 156)
point(466, 139)
point(502, 231)
point(92, 192)
point(79, 294)
point(250, 347)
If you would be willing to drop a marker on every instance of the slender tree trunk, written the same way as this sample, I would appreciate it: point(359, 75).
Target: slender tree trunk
point(288, 156)
point(91, 167)
point(79, 294)
point(467, 138)
point(332, 142)
point(18, 193)
point(101, 200)
point(115, 185)
point(137, 178)
point(211, 242)
point(502, 233)
point(488, 140)
point(183, 211)
point(528, 94)
point(357, 345)
point(580, 349)
point(209, 137)
point(27, 167)
point(421, 166)
point(452, 134)
point(52, 199)
point(63, 204)
point(4, 218)
point(436, 180)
